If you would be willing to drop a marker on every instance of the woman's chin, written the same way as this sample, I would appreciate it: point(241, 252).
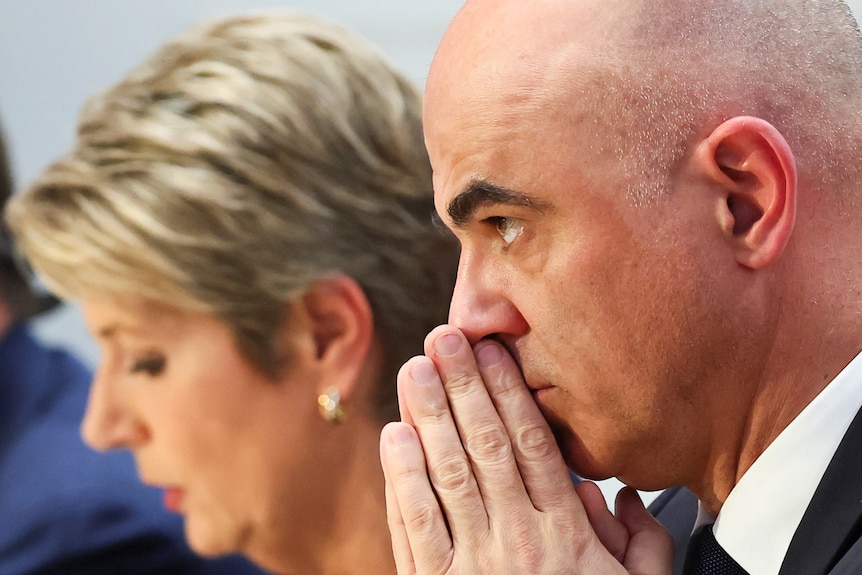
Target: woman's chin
point(210, 540)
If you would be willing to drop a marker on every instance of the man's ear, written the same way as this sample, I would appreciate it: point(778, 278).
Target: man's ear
point(753, 166)
point(341, 325)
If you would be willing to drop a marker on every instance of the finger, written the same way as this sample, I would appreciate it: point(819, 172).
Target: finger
point(448, 466)
point(538, 457)
point(650, 549)
point(404, 564)
point(482, 432)
point(420, 539)
point(398, 531)
point(403, 409)
point(610, 531)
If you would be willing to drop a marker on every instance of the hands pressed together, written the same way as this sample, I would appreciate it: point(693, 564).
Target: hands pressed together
point(475, 482)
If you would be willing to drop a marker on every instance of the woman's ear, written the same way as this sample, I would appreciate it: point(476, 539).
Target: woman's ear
point(753, 166)
point(341, 324)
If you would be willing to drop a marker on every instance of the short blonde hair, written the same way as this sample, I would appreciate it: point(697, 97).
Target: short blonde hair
point(242, 161)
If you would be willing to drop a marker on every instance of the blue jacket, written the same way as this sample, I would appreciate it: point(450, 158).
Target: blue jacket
point(65, 509)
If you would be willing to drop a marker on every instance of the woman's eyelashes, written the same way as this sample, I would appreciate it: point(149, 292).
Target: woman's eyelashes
point(151, 364)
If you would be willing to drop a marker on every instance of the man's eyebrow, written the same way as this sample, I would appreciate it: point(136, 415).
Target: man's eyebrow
point(482, 193)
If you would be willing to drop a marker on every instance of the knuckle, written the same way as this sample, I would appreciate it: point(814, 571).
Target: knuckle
point(421, 516)
point(436, 414)
point(488, 445)
point(528, 554)
point(534, 442)
point(452, 474)
point(403, 471)
point(460, 384)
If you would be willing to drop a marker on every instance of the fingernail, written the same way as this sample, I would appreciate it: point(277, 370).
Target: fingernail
point(398, 436)
point(447, 344)
point(423, 372)
point(489, 355)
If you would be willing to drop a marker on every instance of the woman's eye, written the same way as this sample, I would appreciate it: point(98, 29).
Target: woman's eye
point(509, 229)
point(151, 365)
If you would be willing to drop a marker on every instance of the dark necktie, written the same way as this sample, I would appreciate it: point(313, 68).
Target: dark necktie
point(706, 557)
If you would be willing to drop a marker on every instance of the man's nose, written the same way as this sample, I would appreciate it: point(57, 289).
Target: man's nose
point(482, 307)
point(108, 423)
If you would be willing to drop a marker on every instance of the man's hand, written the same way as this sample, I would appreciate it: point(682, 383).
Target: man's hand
point(475, 482)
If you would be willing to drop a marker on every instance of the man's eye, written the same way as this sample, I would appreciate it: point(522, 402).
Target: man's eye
point(509, 228)
point(151, 365)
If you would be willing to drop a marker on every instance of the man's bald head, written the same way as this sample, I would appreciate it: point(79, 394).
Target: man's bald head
point(646, 78)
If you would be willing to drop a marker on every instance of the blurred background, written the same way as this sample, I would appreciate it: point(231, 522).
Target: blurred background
point(55, 53)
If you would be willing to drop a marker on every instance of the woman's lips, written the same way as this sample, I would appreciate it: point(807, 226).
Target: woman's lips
point(173, 499)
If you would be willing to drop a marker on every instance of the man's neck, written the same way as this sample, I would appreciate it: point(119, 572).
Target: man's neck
point(781, 396)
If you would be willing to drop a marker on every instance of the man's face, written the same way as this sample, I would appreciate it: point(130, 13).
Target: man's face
point(600, 299)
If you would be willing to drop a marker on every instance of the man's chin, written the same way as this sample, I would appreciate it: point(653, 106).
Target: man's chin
point(577, 459)
point(585, 469)
point(589, 474)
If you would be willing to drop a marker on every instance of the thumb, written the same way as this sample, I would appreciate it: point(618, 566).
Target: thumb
point(650, 550)
point(610, 531)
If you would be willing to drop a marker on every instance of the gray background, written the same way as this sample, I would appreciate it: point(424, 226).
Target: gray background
point(54, 53)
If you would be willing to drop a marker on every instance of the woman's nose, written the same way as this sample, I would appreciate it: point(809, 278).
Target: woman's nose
point(109, 423)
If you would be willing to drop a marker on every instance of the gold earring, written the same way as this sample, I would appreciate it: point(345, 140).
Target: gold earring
point(329, 403)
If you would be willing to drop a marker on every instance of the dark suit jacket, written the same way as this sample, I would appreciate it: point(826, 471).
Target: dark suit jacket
point(676, 509)
point(829, 538)
point(65, 509)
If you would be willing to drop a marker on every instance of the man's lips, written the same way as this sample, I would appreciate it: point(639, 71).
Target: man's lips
point(539, 392)
point(536, 384)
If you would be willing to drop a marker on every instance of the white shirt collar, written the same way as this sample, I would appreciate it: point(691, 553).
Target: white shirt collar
point(764, 509)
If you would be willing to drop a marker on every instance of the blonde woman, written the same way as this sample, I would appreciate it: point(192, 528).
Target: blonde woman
point(245, 219)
